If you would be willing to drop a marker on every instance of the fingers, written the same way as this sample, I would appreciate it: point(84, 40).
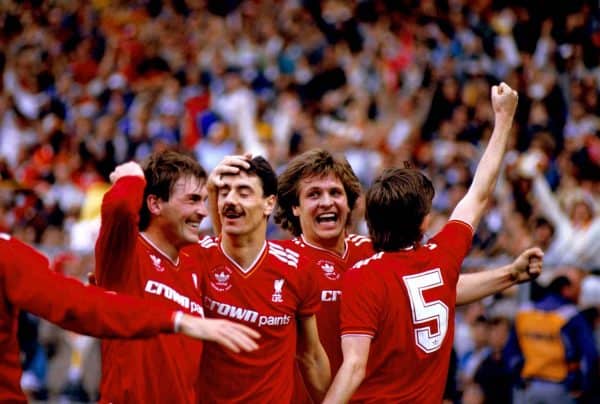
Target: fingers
point(230, 165)
point(237, 337)
point(535, 257)
point(534, 253)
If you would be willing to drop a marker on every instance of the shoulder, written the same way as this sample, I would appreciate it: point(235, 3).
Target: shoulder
point(208, 243)
point(284, 254)
point(368, 262)
point(357, 240)
point(359, 246)
point(364, 269)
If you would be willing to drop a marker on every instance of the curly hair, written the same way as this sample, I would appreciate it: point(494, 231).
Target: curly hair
point(313, 163)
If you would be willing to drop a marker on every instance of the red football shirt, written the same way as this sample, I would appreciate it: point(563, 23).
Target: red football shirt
point(164, 368)
point(327, 269)
point(406, 301)
point(270, 297)
point(27, 283)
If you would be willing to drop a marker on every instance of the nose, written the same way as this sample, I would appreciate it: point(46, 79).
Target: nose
point(202, 209)
point(326, 199)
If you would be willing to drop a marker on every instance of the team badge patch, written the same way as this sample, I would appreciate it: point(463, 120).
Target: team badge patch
point(277, 287)
point(220, 278)
point(157, 263)
point(329, 271)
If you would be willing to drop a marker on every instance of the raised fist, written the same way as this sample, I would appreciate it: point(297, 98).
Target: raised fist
point(504, 100)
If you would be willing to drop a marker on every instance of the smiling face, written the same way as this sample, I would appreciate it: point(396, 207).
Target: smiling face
point(243, 208)
point(180, 216)
point(323, 210)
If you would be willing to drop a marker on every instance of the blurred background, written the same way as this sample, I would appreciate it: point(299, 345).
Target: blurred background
point(87, 85)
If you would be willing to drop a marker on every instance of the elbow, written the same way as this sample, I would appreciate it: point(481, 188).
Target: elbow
point(357, 367)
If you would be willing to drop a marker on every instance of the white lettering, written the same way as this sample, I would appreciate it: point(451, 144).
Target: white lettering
point(247, 315)
point(274, 320)
point(330, 295)
point(159, 289)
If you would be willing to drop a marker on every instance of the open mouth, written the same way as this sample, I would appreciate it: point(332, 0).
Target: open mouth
point(193, 224)
point(327, 218)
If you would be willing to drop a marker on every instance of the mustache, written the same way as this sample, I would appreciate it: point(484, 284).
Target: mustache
point(231, 209)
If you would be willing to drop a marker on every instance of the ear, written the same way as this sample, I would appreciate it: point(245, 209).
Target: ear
point(296, 211)
point(154, 204)
point(426, 223)
point(269, 205)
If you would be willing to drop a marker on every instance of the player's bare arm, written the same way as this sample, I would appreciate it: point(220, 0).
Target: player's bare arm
point(233, 336)
point(526, 267)
point(356, 353)
point(470, 209)
point(313, 359)
point(229, 165)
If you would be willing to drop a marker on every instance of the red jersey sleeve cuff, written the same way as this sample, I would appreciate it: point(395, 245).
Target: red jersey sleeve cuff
point(465, 224)
point(358, 331)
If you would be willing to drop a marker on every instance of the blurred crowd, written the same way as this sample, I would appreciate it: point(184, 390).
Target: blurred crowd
point(87, 85)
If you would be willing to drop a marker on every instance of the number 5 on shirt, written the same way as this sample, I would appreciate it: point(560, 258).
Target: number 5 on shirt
point(423, 312)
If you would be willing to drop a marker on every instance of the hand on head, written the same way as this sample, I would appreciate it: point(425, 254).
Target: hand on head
point(229, 165)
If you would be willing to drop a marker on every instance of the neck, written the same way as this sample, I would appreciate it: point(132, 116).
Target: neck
point(159, 239)
point(243, 249)
point(335, 245)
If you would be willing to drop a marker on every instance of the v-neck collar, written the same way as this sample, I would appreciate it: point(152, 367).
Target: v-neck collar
point(252, 266)
point(158, 250)
point(316, 247)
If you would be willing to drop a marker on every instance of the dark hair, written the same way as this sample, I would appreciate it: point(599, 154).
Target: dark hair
point(396, 205)
point(558, 284)
point(313, 163)
point(260, 167)
point(541, 221)
point(162, 170)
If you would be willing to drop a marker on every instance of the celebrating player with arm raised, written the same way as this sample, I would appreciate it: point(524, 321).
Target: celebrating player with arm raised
point(397, 311)
point(138, 253)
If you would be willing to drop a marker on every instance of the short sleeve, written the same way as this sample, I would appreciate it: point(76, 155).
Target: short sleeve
point(361, 302)
point(310, 299)
point(454, 240)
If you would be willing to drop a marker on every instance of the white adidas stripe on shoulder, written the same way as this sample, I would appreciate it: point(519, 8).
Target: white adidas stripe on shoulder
point(357, 239)
point(208, 242)
point(286, 255)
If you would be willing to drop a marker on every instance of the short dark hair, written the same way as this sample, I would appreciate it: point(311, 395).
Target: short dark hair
point(313, 163)
point(396, 205)
point(260, 167)
point(162, 170)
point(558, 284)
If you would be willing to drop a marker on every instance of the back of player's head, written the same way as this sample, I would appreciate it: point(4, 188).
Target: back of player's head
point(313, 163)
point(162, 170)
point(260, 167)
point(396, 205)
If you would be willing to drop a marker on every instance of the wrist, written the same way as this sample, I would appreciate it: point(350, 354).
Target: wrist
point(513, 275)
point(178, 319)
